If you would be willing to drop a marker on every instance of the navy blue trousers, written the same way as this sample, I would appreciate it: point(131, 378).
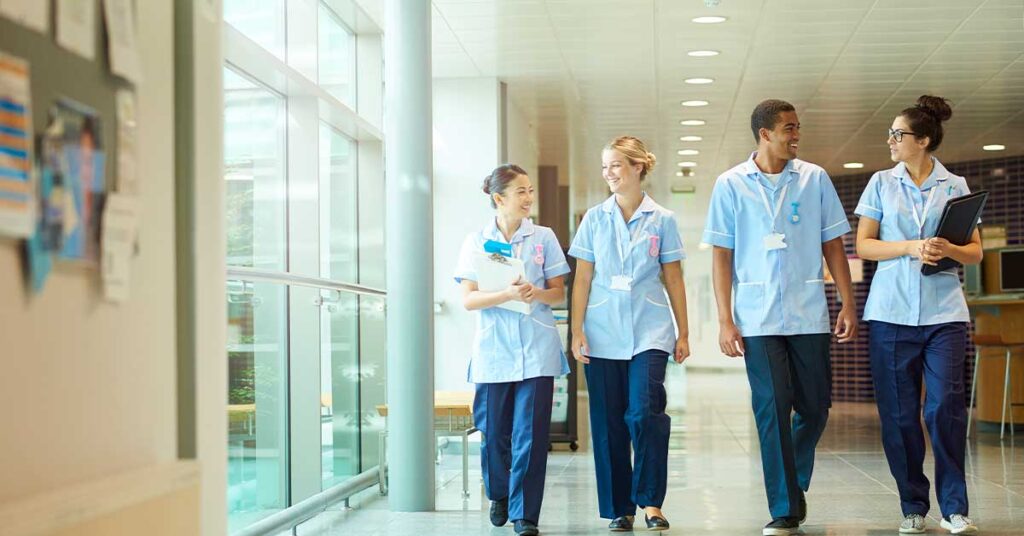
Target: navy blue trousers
point(627, 406)
point(791, 390)
point(515, 420)
point(900, 356)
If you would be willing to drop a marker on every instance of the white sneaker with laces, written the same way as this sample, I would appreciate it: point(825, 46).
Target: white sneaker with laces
point(958, 524)
point(912, 524)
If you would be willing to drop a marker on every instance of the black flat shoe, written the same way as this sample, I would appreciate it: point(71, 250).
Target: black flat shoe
point(499, 512)
point(526, 528)
point(656, 523)
point(803, 509)
point(621, 524)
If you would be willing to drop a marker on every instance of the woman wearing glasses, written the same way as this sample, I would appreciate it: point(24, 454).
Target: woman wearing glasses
point(918, 323)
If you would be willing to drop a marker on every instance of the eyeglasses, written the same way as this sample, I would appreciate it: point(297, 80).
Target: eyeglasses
point(897, 134)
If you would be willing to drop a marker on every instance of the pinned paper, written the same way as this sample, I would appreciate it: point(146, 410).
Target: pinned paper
point(122, 43)
point(76, 26)
point(17, 192)
point(33, 14)
point(120, 221)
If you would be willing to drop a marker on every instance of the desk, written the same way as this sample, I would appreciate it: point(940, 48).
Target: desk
point(453, 416)
point(1002, 315)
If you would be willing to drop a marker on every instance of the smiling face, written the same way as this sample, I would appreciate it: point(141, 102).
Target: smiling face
point(910, 147)
point(517, 199)
point(620, 175)
point(783, 140)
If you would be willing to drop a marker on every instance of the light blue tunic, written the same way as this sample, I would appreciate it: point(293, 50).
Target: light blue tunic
point(776, 291)
point(900, 293)
point(510, 346)
point(620, 324)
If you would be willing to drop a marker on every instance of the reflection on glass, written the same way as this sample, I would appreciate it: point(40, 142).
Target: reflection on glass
point(337, 57)
point(254, 171)
point(259, 20)
point(257, 416)
point(254, 165)
point(339, 324)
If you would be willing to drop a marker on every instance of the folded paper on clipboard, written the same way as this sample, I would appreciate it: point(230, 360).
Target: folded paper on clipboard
point(496, 272)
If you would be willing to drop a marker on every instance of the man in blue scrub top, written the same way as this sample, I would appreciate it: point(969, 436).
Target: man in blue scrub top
point(771, 219)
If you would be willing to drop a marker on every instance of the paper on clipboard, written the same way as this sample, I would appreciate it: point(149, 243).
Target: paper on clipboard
point(495, 272)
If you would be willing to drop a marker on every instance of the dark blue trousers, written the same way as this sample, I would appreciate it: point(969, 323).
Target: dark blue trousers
point(627, 405)
point(900, 356)
point(791, 390)
point(515, 420)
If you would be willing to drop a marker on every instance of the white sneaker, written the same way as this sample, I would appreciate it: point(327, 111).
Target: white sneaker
point(958, 524)
point(912, 524)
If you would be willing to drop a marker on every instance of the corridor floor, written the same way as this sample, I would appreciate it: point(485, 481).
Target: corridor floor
point(715, 484)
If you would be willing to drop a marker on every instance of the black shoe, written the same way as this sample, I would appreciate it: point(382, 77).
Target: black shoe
point(621, 524)
point(803, 508)
point(656, 523)
point(782, 526)
point(499, 512)
point(526, 528)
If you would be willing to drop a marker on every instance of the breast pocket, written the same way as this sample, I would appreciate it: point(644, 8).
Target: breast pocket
point(749, 302)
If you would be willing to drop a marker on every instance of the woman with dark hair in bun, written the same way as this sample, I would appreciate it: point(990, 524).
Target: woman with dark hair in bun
point(515, 356)
point(918, 323)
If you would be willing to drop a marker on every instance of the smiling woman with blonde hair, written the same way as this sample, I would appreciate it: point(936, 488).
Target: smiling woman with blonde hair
point(622, 331)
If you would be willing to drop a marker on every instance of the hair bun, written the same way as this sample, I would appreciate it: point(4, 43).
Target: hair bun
point(651, 161)
point(936, 107)
point(486, 187)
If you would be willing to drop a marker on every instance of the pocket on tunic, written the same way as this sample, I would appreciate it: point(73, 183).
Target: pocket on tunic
point(655, 298)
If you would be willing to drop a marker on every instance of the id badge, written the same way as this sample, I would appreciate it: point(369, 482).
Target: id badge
point(622, 282)
point(773, 241)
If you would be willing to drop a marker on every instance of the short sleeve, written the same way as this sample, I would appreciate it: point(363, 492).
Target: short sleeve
point(671, 243)
point(870, 204)
point(464, 268)
point(833, 217)
point(554, 260)
point(720, 229)
point(582, 246)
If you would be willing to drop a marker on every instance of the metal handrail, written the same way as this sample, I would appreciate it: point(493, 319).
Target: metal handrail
point(303, 510)
point(241, 273)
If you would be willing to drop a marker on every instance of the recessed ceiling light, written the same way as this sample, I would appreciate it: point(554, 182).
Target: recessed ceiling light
point(688, 152)
point(702, 53)
point(694, 103)
point(691, 138)
point(687, 164)
point(692, 122)
point(709, 20)
point(994, 147)
point(853, 165)
point(699, 80)
point(680, 174)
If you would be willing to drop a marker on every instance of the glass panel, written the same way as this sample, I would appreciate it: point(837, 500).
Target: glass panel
point(259, 20)
point(257, 408)
point(254, 165)
point(337, 57)
point(254, 171)
point(339, 329)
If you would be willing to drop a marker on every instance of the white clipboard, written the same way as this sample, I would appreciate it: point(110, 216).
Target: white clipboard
point(496, 272)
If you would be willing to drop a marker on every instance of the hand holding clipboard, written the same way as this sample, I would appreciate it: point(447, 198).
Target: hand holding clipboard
point(956, 226)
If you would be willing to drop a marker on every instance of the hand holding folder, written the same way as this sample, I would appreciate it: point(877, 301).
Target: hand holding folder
point(496, 272)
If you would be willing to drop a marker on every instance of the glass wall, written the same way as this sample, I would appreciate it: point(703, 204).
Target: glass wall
point(303, 172)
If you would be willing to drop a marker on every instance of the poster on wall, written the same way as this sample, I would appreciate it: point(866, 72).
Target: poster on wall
point(33, 14)
point(122, 45)
point(17, 192)
point(76, 26)
point(73, 158)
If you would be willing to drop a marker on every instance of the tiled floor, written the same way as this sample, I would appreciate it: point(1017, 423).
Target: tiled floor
point(715, 480)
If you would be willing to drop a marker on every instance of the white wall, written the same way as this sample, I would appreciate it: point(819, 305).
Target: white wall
point(466, 149)
point(88, 387)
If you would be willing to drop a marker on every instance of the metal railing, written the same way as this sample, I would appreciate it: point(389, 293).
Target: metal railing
point(255, 275)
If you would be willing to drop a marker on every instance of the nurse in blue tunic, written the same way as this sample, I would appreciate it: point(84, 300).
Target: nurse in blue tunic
point(628, 297)
point(515, 356)
point(918, 323)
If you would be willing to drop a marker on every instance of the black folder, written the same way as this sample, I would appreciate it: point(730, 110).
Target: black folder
point(957, 224)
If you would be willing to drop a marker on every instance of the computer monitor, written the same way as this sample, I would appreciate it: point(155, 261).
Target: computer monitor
point(1011, 270)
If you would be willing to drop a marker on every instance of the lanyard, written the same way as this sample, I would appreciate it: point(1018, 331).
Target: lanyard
point(919, 219)
point(627, 248)
point(778, 203)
